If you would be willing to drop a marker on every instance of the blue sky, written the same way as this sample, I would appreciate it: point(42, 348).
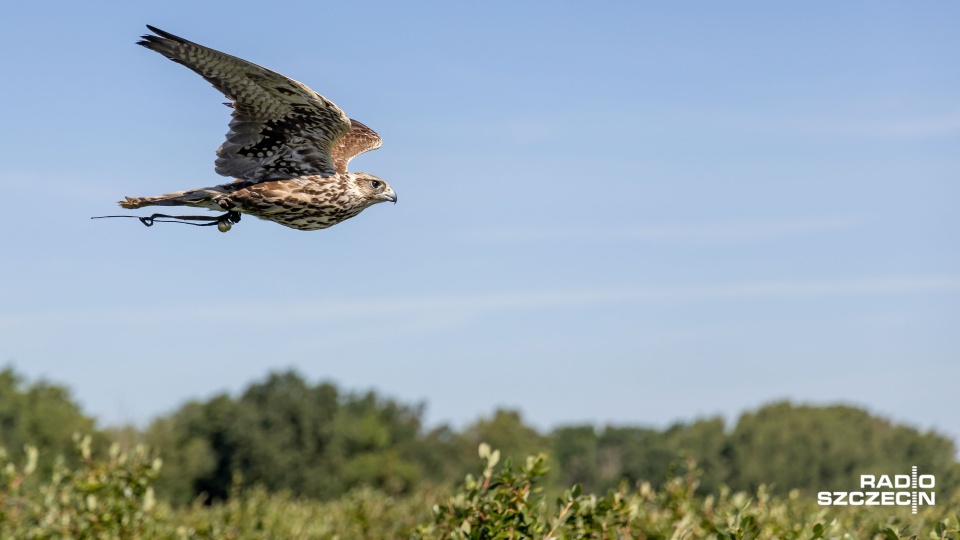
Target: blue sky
point(633, 213)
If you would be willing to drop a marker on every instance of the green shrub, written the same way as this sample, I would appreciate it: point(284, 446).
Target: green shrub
point(98, 499)
point(112, 498)
point(508, 503)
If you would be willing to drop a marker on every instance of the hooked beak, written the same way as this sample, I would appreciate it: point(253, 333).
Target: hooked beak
point(389, 196)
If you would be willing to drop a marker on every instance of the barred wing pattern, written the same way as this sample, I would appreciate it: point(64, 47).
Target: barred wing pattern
point(280, 128)
point(358, 140)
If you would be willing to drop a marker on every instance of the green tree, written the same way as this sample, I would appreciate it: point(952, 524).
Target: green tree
point(706, 442)
point(828, 448)
point(601, 461)
point(574, 450)
point(635, 455)
point(285, 434)
point(42, 415)
point(188, 456)
point(505, 431)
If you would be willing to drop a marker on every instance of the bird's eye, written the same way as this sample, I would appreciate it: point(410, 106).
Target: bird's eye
point(375, 184)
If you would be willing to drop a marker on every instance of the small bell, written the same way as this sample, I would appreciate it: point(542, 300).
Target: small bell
point(224, 225)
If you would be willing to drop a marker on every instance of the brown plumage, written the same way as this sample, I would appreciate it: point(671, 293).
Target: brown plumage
point(287, 148)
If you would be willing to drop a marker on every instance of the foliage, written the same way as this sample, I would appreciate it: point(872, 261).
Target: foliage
point(98, 499)
point(286, 435)
point(824, 448)
point(507, 503)
point(43, 415)
point(802, 447)
point(505, 431)
point(111, 499)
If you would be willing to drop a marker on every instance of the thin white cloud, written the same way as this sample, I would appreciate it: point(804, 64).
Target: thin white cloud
point(870, 124)
point(463, 307)
point(708, 233)
point(894, 128)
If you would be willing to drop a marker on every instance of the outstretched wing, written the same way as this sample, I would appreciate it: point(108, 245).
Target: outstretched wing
point(280, 128)
point(358, 140)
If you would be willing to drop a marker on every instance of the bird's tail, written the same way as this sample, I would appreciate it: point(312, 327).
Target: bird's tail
point(203, 198)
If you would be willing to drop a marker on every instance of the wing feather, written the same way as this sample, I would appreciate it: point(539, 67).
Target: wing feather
point(358, 140)
point(279, 128)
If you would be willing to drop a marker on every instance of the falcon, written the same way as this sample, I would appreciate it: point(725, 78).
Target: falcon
point(287, 149)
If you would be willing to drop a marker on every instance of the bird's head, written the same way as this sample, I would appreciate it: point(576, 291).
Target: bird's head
point(373, 189)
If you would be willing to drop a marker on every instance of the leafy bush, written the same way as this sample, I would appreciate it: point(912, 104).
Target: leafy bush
point(112, 498)
point(100, 499)
point(44, 415)
point(507, 503)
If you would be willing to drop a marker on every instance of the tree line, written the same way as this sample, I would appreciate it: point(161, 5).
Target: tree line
point(317, 441)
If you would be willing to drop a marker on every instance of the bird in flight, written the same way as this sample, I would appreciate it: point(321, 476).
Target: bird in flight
point(287, 148)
